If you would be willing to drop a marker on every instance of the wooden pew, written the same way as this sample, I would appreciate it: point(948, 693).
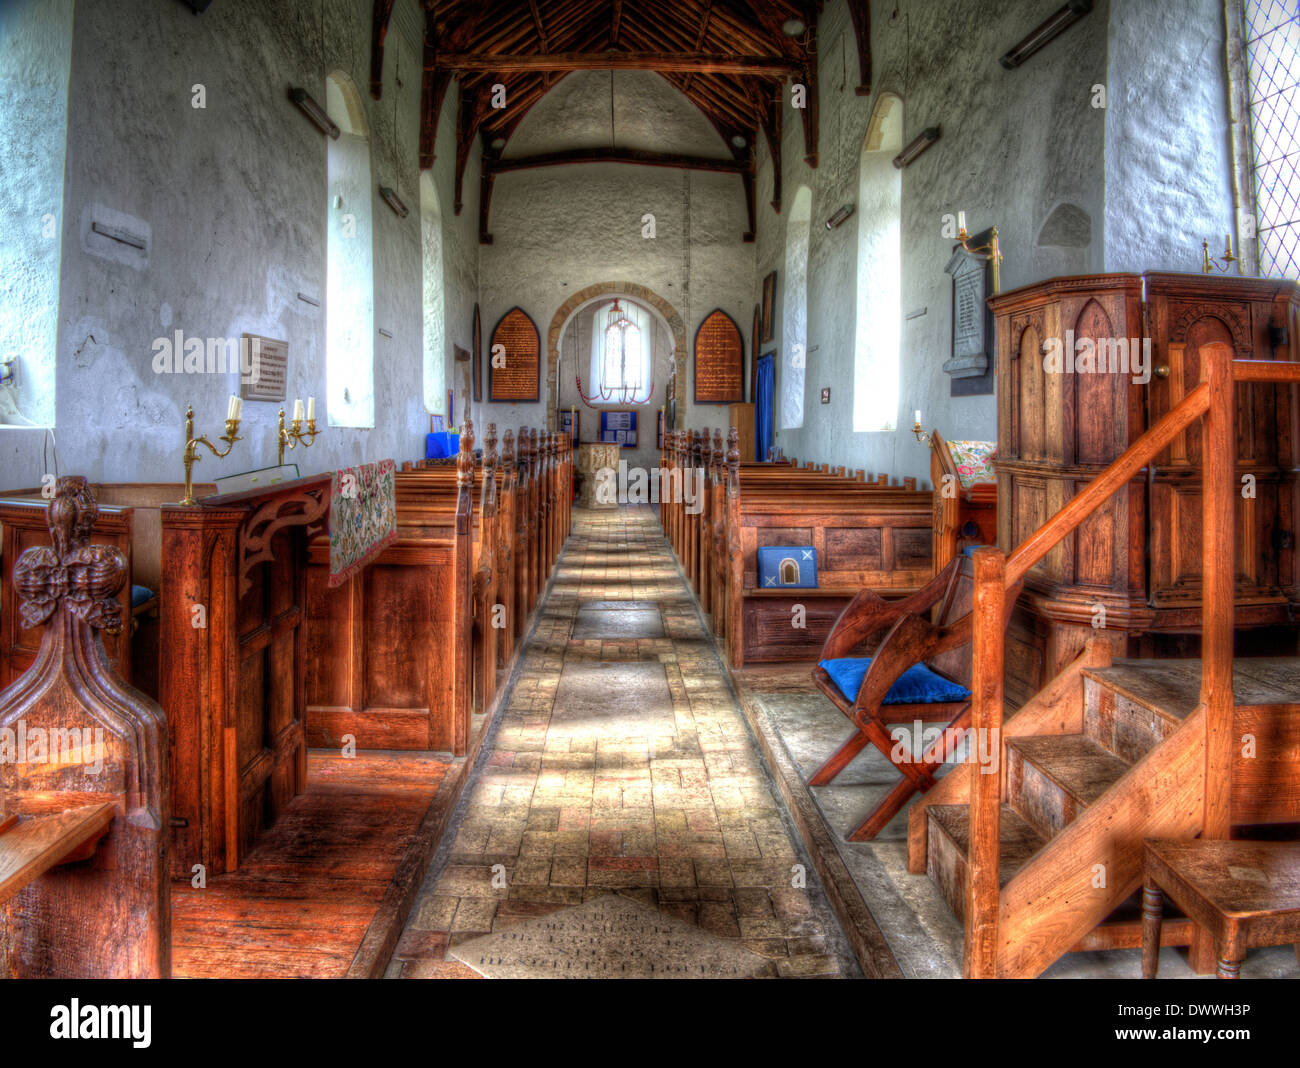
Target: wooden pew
point(129, 518)
point(965, 510)
point(233, 680)
point(84, 833)
point(390, 649)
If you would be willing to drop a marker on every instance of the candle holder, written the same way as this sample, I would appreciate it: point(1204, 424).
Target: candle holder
point(295, 435)
point(921, 437)
point(192, 444)
point(1210, 264)
point(991, 252)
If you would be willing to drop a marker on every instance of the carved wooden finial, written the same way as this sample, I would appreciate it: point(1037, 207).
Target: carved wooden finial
point(733, 447)
point(508, 450)
point(718, 452)
point(490, 446)
point(465, 458)
point(83, 578)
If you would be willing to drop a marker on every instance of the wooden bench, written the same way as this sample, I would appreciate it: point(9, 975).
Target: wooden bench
point(390, 649)
point(129, 517)
point(84, 832)
point(965, 505)
point(1243, 894)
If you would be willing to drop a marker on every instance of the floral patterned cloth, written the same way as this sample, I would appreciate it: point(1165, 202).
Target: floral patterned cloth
point(974, 460)
point(363, 516)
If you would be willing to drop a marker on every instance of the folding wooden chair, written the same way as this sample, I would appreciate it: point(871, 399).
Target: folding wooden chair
point(898, 683)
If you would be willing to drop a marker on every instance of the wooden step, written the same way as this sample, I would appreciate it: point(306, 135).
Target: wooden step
point(948, 843)
point(1052, 778)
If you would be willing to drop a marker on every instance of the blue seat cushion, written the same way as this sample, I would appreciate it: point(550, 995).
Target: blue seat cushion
point(918, 685)
point(140, 594)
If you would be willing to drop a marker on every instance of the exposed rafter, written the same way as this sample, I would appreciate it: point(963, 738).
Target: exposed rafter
point(730, 58)
point(685, 62)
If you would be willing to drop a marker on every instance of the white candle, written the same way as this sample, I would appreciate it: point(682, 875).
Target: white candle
point(239, 406)
point(918, 416)
point(961, 222)
point(311, 409)
point(297, 410)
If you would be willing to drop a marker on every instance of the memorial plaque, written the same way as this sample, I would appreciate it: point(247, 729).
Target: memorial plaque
point(970, 322)
point(268, 362)
point(519, 378)
point(608, 937)
point(613, 699)
point(719, 361)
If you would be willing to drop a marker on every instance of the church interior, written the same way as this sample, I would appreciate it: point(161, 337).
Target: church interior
point(884, 567)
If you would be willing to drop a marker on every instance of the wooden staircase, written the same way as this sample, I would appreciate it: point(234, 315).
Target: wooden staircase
point(1079, 803)
point(1037, 849)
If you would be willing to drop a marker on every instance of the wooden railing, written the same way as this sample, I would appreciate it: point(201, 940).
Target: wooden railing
point(994, 572)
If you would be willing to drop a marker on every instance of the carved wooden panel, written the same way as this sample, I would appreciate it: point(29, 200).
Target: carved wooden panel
point(852, 549)
point(719, 361)
point(519, 378)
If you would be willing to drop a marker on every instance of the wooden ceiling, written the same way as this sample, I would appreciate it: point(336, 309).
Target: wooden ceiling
point(730, 58)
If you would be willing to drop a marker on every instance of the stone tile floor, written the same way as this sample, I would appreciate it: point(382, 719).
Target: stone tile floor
point(673, 810)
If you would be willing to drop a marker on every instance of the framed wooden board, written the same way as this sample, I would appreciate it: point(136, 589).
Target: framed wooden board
point(520, 354)
point(719, 360)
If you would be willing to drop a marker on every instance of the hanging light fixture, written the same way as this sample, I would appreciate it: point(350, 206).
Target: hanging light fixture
point(615, 320)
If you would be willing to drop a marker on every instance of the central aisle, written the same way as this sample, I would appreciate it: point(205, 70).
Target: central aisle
point(621, 823)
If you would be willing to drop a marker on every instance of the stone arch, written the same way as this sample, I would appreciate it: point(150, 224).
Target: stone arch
point(648, 297)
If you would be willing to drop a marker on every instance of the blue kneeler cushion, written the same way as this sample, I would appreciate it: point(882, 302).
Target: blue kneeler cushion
point(788, 566)
point(918, 685)
point(139, 595)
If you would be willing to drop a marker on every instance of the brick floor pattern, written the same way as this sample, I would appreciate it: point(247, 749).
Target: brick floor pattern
point(688, 823)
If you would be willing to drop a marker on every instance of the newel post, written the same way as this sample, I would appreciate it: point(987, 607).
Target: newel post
point(1218, 501)
point(985, 795)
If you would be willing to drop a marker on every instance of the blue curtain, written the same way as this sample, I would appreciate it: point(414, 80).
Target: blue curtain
point(763, 405)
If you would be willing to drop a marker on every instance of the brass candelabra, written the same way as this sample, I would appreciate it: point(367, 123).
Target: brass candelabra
point(294, 435)
point(192, 443)
point(991, 252)
point(1210, 264)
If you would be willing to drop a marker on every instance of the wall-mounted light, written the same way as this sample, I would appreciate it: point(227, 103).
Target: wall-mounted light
point(839, 217)
point(739, 141)
point(1047, 31)
point(315, 112)
point(919, 144)
point(8, 377)
point(394, 201)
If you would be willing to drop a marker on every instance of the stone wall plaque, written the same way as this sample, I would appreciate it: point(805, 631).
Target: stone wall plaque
point(608, 937)
point(969, 366)
point(268, 360)
point(520, 378)
point(719, 361)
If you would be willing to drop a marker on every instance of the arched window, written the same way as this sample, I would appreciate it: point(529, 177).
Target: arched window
point(789, 570)
point(350, 287)
point(879, 326)
point(794, 310)
point(435, 329)
point(620, 353)
point(35, 58)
